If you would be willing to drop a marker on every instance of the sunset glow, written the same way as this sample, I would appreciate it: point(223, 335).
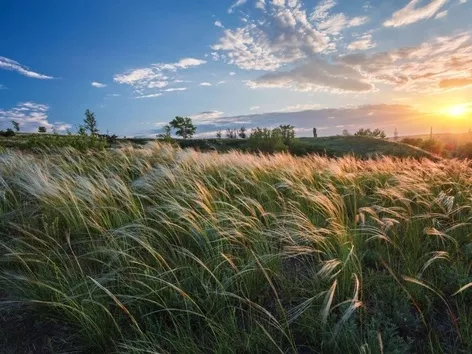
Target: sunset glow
point(457, 111)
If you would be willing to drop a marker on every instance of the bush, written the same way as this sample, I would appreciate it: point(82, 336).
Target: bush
point(8, 133)
point(266, 140)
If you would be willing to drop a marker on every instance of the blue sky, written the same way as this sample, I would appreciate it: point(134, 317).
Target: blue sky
point(328, 64)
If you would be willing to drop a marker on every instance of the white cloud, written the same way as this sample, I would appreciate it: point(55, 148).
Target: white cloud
point(12, 65)
point(98, 84)
point(236, 4)
point(254, 108)
point(175, 89)
point(441, 14)
point(302, 107)
point(315, 76)
point(284, 35)
point(205, 84)
point(218, 24)
point(3, 87)
point(232, 73)
point(433, 66)
point(321, 11)
point(206, 116)
point(221, 82)
point(363, 43)
point(260, 4)
point(150, 95)
point(411, 13)
point(462, 1)
point(30, 116)
point(155, 76)
point(337, 23)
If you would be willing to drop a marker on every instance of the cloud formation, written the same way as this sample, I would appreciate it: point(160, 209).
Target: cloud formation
point(418, 69)
point(156, 76)
point(328, 121)
point(286, 33)
point(98, 84)
point(411, 13)
point(316, 75)
point(30, 116)
point(9, 64)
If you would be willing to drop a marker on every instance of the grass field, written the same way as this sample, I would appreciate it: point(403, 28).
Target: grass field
point(163, 250)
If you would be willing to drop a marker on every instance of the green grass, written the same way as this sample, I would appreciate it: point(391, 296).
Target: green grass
point(364, 147)
point(163, 250)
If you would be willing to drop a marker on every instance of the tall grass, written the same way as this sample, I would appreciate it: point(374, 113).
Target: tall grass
point(166, 250)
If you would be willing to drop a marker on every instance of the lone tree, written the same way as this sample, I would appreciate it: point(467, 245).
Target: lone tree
point(219, 134)
point(184, 127)
point(16, 125)
point(242, 133)
point(42, 129)
point(90, 123)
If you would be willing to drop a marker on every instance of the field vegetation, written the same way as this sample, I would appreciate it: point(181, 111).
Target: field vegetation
point(159, 249)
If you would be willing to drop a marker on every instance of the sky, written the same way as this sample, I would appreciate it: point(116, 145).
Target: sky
point(329, 64)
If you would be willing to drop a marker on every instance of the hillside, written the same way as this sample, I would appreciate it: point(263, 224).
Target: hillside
point(364, 147)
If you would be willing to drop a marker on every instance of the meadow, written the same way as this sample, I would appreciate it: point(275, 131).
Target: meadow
point(167, 250)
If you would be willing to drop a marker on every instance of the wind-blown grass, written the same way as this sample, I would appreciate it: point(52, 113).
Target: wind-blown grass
point(167, 250)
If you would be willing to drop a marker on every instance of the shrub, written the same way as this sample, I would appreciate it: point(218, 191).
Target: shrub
point(8, 133)
point(266, 140)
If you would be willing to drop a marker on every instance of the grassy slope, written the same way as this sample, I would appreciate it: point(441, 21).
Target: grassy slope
point(332, 146)
point(365, 146)
point(163, 250)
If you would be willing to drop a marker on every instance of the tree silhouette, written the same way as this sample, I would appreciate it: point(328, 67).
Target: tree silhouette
point(183, 126)
point(90, 123)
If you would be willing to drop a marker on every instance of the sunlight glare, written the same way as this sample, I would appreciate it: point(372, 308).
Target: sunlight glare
point(457, 111)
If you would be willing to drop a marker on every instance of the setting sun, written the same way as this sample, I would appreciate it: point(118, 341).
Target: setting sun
point(457, 111)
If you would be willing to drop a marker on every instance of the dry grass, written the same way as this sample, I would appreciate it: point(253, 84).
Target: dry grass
point(164, 250)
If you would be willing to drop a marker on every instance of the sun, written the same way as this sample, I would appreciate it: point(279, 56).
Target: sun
point(457, 111)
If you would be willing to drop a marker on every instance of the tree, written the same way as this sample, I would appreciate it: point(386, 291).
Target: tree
point(219, 134)
point(345, 132)
point(184, 127)
point(16, 125)
point(242, 133)
point(167, 133)
point(42, 129)
point(231, 133)
point(377, 133)
point(81, 130)
point(90, 123)
point(287, 132)
point(266, 140)
point(395, 134)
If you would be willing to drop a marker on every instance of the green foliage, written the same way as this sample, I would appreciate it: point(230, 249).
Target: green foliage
point(288, 133)
point(242, 132)
point(8, 133)
point(376, 133)
point(90, 124)
point(79, 142)
point(184, 127)
point(219, 134)
point(266, 140)
point(16, 125)
point(42, 129)
point(167, 133)
point(231, 133)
